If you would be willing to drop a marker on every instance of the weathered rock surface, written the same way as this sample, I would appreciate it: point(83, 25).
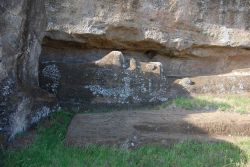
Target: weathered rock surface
point(171, 24)
point(102, 77)
point(22, 102)
point(119, 51)
point(135, 128)
point(83, 76)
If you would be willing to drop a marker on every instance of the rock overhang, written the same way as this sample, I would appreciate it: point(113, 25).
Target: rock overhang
point(188, 38)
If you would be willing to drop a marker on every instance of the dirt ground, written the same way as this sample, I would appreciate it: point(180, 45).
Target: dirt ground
point(131, 129)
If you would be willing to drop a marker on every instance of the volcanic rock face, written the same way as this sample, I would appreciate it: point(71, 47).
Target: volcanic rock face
point(22, 102)
point(118, 52)
point(171, 24)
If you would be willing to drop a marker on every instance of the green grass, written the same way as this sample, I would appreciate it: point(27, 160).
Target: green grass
point(232, 103)
point(48, 150)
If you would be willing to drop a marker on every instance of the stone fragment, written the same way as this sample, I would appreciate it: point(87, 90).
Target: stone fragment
point(113, 58)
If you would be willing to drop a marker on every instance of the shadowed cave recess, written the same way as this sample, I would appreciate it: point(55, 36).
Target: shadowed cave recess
point(108, 73)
